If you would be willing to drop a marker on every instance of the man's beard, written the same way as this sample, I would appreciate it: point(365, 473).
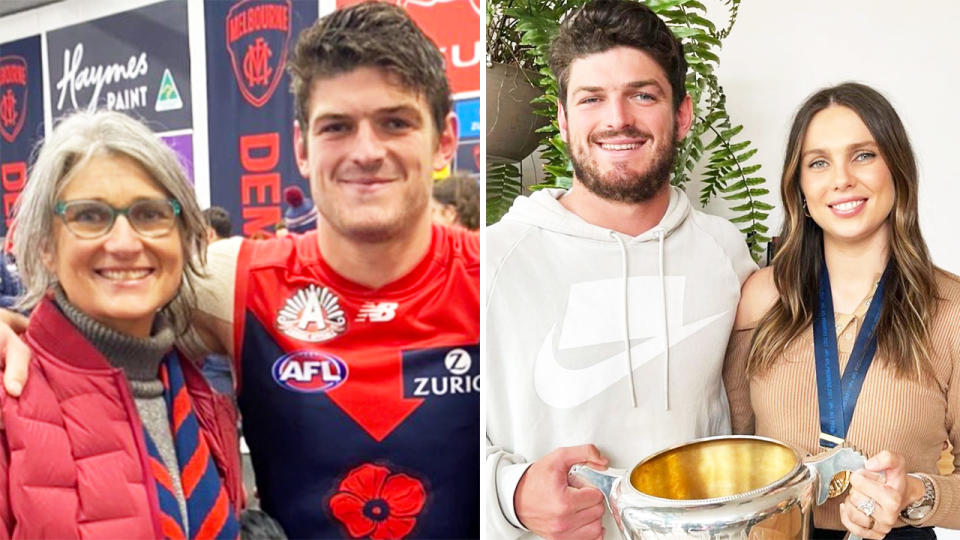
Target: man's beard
point(620, 183)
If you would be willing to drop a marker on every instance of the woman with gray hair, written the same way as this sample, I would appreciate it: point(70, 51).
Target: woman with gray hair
point(115, 434)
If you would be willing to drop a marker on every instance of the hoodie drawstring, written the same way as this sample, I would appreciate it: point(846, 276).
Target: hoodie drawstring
point(659, 233)
point(626, 315)
point(661, 237)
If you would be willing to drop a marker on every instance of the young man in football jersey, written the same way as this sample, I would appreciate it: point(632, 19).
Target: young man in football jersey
point(356, 345)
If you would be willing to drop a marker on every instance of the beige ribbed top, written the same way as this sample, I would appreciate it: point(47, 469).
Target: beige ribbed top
point(892, 413)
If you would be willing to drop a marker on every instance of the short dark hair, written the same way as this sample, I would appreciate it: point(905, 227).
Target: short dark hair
point(463, 193)
point(371, 34)
point(604, 24)
point(218, 219)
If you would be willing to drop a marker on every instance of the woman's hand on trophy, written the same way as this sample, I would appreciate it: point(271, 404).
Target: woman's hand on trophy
point(547, 505)
point(877, 494)
point(909, 488)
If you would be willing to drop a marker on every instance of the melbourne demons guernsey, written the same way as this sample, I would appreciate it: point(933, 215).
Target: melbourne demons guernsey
point(361, 407)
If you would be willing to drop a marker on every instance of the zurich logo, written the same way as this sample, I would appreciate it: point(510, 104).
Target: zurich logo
point(309, 372)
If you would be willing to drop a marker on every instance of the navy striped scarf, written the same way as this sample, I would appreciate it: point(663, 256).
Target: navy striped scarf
point(208, 507)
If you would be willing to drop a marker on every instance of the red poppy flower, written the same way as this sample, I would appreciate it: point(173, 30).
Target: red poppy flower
point(373, 502)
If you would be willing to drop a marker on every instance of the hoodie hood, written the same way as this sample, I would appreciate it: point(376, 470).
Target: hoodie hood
point(543, 210)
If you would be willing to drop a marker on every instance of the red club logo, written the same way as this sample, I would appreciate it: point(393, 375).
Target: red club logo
point(258, 33)
point(372, 501)
point(256, 64)
point(13, 96)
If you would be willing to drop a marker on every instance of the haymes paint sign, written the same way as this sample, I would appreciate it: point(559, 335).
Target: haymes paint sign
point(137, 61)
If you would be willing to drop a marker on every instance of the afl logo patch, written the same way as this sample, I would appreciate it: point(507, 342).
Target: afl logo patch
point(312, 314)
point(309, 372)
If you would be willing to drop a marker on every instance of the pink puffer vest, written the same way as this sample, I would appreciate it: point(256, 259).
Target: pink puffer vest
point(73, 462)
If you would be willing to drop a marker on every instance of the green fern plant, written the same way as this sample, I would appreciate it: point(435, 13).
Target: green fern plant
point(503, 186)
point(729, 168)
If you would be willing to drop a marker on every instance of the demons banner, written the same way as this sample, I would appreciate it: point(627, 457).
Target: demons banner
point(137, 62)
point(250, 109)
point(21, 117)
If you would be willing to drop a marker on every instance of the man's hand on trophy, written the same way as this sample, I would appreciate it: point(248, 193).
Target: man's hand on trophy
point(14, 351)
point(547, 505)
point(877, 494)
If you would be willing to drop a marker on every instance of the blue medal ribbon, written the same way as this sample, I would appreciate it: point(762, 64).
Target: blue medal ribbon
point(837, 395)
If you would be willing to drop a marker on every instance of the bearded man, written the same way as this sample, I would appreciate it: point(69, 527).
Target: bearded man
point(609, 305)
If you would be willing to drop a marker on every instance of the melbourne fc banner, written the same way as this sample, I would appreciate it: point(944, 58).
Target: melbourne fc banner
point(250, 109)
point(21, 116)
point(136, 61)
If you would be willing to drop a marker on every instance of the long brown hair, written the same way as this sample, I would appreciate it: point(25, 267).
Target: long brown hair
point(909, 300)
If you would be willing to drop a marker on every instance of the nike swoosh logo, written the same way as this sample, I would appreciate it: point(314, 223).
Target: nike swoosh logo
point(565, 388)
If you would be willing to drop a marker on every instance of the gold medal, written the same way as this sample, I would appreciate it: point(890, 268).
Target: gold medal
point(839, 484)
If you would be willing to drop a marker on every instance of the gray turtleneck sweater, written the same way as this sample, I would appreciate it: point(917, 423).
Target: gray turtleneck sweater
point(139, 358)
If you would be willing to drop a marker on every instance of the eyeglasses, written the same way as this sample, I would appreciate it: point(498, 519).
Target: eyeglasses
point(93, 219)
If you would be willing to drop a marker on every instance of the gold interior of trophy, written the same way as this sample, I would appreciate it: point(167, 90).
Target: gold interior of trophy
point(714, 468)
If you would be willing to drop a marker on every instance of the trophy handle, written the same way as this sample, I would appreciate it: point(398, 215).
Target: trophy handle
point(836, 464)
point(833, 471)
point(582, 475)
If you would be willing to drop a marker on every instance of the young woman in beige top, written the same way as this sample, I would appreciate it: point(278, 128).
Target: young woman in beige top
point(851, 236)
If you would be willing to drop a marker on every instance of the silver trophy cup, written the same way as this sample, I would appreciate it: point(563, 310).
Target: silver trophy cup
point(735, 487)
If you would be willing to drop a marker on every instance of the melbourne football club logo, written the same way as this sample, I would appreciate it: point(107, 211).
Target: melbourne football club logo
point(309, 372)
point(258, 32)
point(13, 96)
point(312, 314)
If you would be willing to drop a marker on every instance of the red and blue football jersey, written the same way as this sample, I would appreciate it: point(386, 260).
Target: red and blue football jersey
point(361, 407)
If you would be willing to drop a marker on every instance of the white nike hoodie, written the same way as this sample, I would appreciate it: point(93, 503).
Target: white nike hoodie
point(564, 298)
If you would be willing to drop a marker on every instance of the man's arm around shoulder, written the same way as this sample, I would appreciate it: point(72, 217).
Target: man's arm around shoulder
point(216, 290)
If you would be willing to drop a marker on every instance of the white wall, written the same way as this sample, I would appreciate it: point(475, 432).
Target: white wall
point(780, 51)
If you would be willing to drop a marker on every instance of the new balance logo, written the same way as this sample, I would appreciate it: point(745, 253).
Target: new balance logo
point(377, 311)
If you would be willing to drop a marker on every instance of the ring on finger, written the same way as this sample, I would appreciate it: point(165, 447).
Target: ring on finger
point(867, 507)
